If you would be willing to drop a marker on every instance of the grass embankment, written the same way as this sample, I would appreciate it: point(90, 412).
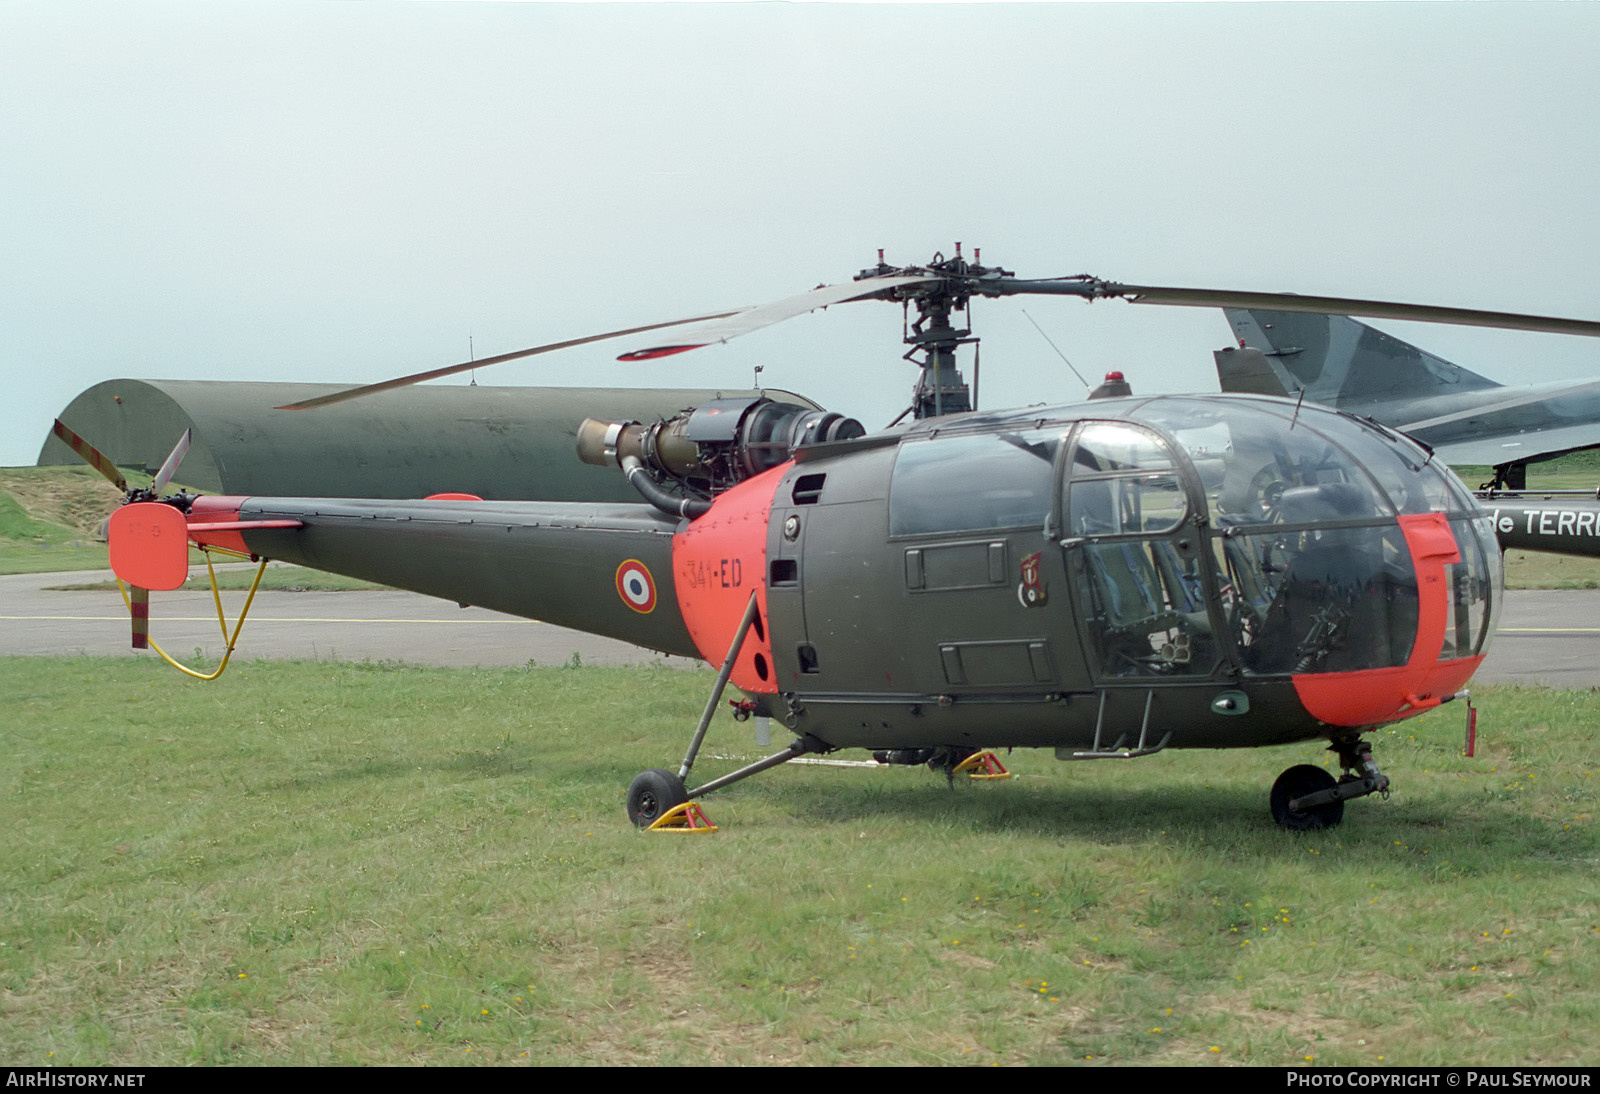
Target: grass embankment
point(48, 517)
point(322, 863)
point(281, 576)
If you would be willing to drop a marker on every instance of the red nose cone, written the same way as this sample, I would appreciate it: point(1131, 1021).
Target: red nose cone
point(1375, 696)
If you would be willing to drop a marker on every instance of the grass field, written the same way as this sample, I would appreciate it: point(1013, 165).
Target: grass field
point(313, 863)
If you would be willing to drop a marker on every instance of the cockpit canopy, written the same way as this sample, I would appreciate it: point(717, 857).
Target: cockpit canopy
point(1284, 520)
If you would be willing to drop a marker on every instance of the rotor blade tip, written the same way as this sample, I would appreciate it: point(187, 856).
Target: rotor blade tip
point(657, 351)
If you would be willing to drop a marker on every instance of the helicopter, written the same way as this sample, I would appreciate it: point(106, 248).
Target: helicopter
point(1108, 579)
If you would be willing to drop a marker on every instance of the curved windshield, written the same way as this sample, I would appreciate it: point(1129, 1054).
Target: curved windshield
point(1263, 466)
point(1475, 585)
point(1304, 506)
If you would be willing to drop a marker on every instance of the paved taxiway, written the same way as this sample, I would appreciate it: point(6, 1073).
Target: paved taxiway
point(350, 626)
point(1546, 636)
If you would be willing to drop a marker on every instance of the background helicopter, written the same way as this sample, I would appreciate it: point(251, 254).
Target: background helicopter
point(1108, 579)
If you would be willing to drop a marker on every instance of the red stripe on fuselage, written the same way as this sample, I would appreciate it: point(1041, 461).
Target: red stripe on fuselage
point(717, 562)
point(214, 509)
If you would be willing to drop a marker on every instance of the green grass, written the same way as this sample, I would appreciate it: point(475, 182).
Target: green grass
point(1574, 471)
point(1539, 570)
point(311, 863)
point(48, 517)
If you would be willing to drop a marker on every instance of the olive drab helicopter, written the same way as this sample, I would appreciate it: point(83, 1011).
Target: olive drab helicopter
point(1109, 579)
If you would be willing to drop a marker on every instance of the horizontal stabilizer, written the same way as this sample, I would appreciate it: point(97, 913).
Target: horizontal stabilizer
point(1532, 446)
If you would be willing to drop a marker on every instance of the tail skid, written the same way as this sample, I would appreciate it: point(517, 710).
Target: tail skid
point(149, 543)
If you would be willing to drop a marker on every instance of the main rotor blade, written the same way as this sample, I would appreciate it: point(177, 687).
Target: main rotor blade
point(764, 315)
point(451, 370)
point(91, 455)
point(170, 465)
point(1313, 305)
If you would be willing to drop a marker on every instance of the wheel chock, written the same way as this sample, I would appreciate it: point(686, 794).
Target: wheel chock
point(982, 765)
point(688, 817)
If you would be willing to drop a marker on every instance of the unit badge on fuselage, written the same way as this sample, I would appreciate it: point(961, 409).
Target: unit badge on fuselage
point(1031, 591)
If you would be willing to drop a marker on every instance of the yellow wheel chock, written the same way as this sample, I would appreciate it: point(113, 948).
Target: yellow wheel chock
point(982, 765)
point(688, 817)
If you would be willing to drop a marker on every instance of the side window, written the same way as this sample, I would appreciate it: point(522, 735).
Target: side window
point(1142, 601)
point(1122, 481)
point(973, 483)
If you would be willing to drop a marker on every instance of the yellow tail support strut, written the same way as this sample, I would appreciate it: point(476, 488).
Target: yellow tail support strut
point(222, 621)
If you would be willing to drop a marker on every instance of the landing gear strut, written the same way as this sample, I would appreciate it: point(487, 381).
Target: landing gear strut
point(1306, 798)
point(653, 793)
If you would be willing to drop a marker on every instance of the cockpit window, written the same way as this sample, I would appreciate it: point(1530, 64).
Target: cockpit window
point(1318, 575)
point(1113, 446)
point(1260, 466)
point(1474, 585)
point(1414, 482)
point(977, 482)
point(1123, 481)
point(1305, 539)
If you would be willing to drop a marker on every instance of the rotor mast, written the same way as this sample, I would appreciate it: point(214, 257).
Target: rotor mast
point(940, 388)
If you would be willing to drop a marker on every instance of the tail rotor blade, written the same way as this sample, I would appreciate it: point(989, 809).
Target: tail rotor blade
point(139, 608)
point(91, 455)
point(174, 458)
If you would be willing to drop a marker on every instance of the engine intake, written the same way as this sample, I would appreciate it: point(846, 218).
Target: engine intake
point(716, 445)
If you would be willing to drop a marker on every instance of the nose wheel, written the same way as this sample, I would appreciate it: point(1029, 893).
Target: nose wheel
point(1293, 788)
point(1306, 798)
point(652, 794)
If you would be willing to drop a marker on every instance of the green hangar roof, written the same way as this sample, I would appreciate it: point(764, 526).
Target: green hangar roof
point(496, 442)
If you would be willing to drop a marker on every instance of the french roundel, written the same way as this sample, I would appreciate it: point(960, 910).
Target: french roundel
point(636, 587)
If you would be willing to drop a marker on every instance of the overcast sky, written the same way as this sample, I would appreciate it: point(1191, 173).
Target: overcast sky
point(350, 191)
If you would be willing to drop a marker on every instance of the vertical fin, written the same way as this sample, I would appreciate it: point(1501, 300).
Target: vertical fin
point(1340, 361)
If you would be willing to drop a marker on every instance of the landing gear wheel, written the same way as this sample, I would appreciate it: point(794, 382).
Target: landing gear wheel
point(1297, 782)
point(653, 793)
